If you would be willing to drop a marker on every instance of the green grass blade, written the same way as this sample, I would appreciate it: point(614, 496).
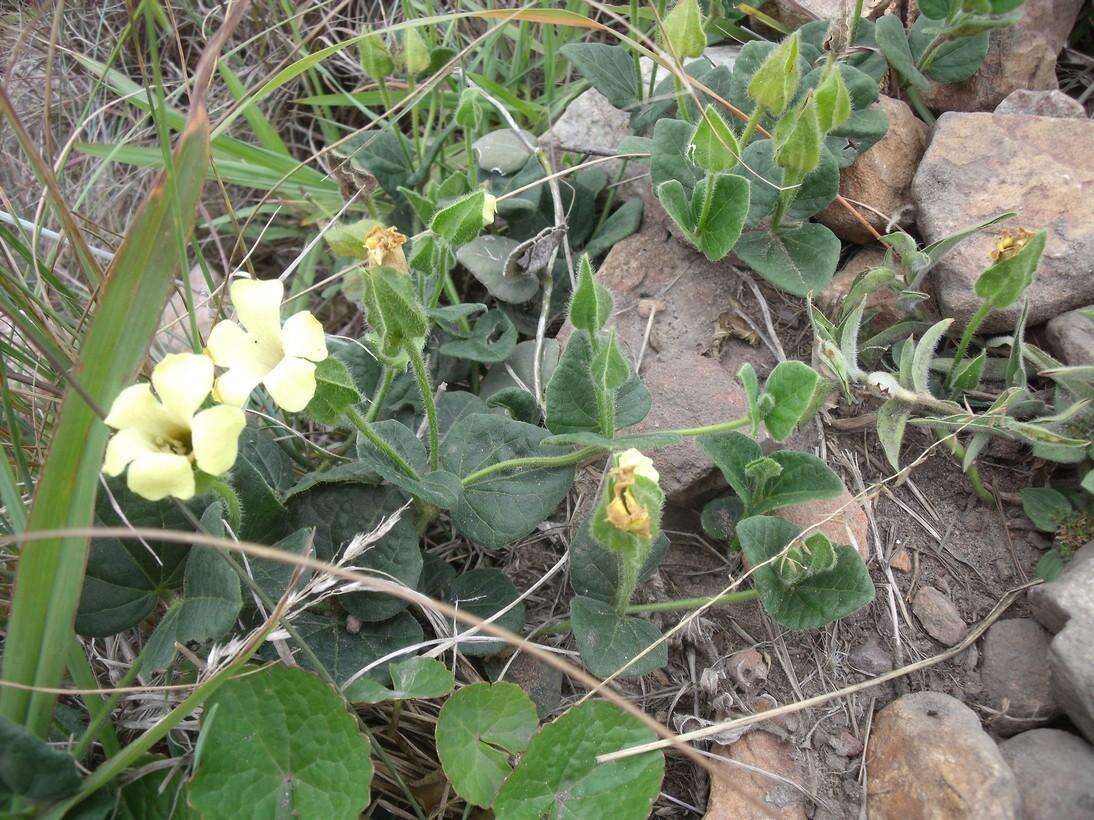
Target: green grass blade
point(50, 572)
point(264, 132)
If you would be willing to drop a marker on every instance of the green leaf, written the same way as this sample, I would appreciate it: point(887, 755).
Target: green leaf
point(747, 377)
point(1045, 507)
point(791, 385)
point(486, 258)
point(304, 754)
point(956, 60)
point(669, 158)
point(936, 9)
point(211, 594)
point(720, 516)
point(817, 599)
point(502, 151)
point(591, 305)
point(892, 418)
point(478, 729)
point(674, 199)
point(343, 653)
point(893, 42)
point(506, 505)
point(334, 392)
point(339, 512)
point(384, 154)
point(683, 29)
point(31, 768)
point(609, 367)
point(924, 352)
point(968, 374)
point(412, 679)
point(594, 571)
point(571, 394)
point(349, 239)
point(714, 146)
point(461, 221)
point(273, 577)
point(819, 187)
point(731, 453)
point(607, 640)
point(375, 57)
point(833, 98)
point(1050, 565)
point(483, 592)
point(862, 131)
point(261, 470)
point(1005, 281)
point(624, 221)
point(559, 776)
point(718, 223)
point(1088, 482)
point(492, 339)
point(438, 488)
point(799, 260)
point(609, 69)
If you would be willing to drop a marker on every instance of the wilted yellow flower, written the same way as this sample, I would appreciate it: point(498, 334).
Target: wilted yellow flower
point(280, 357)
point(385, 249)
point(624, 511)
point(161, 437)
point(1010, 243)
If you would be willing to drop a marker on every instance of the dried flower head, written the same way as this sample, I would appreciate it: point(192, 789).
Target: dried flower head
point(385, 249)
point(1010, 243)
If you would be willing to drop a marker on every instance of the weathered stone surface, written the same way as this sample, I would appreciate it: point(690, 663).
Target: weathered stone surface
point(879, 179)
point(1015, 676)
point(1066, 606)
point(739, 793)
point(844, 521)
point(796, 13)
point(1055, 773)
point(1019, 56)
point(1070, 336)
point(981, 165)
point(871, 658)
point(881, 303)
point(1041, 104)
point(929, 758)
point(590, 124)
point(939, 616)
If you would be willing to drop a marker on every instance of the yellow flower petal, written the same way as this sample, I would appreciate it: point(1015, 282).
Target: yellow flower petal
point(291, 384)
point(226, 343)
point(234, 386)
point(137, 407)
point(158, 475)
point(182, 382)
point(302, 336)
point(215, 436)
point(258, 306)
point(123, 447)
point(642, 465)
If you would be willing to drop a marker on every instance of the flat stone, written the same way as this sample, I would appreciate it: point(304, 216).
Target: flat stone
point(590, 124)
point(927, 757)
point(981, 165)
point(1070, 336)
point(1015, 677)
point(1052, 103)
point(939, 616)
point(871, 658)
point(1054, 771)
point(879, 179)
point(844, 520)
point(1019, 56)
point(1066, 606)
point(739, 793)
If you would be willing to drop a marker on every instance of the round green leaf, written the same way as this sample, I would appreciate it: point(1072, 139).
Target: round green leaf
point(280, 743)
point(799, 260)
point(559, 775)
point(502, 151)
point(486, 257)
point(483, 592)
point(608, 641)
point(478, 728)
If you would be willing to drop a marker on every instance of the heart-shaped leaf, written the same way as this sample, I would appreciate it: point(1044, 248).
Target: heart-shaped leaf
point(487, 257)
point(609, 69)
point(608, 640)
point(492, 340)
point(483, 592)
point(800, 260)
point(571, 394)
point(417, 677)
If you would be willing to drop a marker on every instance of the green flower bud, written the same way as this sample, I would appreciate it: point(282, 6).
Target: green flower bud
point(798, 139)
point(415, 52)
point(833, 100)
point(375, 58)
point(683, 29)
point(776, 80)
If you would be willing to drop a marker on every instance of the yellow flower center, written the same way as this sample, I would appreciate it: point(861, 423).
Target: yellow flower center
point(625, 512)
point(1010, 243)
point(385, 248)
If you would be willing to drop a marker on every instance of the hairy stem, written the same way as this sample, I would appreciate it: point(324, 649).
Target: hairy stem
point(966, 338)
point(426, 390)
point(354, 417)
point(532, 461)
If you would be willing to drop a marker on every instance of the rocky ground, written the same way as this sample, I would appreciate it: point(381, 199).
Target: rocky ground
point(1002, 726)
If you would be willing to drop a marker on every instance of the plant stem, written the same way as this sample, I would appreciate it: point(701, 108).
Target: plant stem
point(855, 18)
point(950, 442)
point(533, 461)
point(98, 708)
point(564, 626)
point(787, 194)
point(722, 427)
point(966, 337)
point(426, 390)
point(636, 25)
point(386, 378)
point(354, 417)
point(917, 103)
point(751, 126)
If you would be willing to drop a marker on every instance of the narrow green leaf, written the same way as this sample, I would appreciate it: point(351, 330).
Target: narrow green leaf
point(893, 42)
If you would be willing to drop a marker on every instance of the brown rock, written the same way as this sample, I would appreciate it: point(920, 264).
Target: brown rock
point(796, 13)
point(881, 303)
point(980, 165)
point(939, 616)
point(739, 793)
point(929, 758)
point(845, 522)
point(1054, 771)
point(1042, 104)
point(1015, 676)
point(1070, 336)
point(879, 179)
point(1019, 56)
point(902, 561)
point(845, 744)
point(871, 658)
point(748, 668)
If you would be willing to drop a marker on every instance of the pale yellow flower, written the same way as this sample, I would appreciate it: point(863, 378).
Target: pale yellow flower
point(264, 351)
point(489, 208)
point(162, 436)
point(642, 465)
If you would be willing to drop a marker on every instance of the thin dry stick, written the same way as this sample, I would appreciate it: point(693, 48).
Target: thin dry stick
point(730, 725)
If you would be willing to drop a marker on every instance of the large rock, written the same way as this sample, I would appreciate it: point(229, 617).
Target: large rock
point(739, 793)
point(1042, 104)
point(1066, 606)
point(1055, 773)
point(939, 616)
point(881, 305)
point(1015, 676)
point(1070, 336)
point(841, 519)
point(1019, 56)
point(980, 165)
point(879, 179)
point(796, 13)
point(929, 758)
